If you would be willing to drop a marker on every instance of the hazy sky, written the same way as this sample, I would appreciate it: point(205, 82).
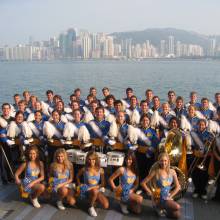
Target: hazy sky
point(20, 19)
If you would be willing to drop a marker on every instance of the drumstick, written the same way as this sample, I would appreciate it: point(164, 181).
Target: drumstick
point(7, 161)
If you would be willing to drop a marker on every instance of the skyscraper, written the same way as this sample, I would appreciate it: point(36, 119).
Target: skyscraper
point(171, 45)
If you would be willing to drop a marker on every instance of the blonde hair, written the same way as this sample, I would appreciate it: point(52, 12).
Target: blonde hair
point(93, 155)
point(66, 162)
point(161, 155)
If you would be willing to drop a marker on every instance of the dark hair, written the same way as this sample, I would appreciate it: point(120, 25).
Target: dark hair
point(171, 92)
point(134, 166)
point(6, 104)
point(142, 102)
point(110, 97)
point(77, 90)
point(38, 112)
point(129, 90)
point(176, 119)
point(105, 88)
point(179, 98)
point(49, 92)
point(118, 102)
point(18, 113)
point(145, 116)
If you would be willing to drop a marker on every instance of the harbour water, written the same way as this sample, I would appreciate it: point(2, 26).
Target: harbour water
point(63, 77)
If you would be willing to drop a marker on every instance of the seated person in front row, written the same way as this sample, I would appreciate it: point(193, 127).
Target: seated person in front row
point(162, 196)
point(61, 177)
point(34, 175)
point(129, 181)
point(94, 181)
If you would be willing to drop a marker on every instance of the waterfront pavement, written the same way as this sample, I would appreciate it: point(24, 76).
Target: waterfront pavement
point(13, 208)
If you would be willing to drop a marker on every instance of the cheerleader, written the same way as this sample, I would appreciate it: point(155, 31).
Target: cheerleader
point(93, 184)
point(163, 195)
point(129, 180)
point(61, 177)
point(34, 175)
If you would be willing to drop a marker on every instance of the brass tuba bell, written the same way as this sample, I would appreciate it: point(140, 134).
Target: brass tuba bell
point(173, 146)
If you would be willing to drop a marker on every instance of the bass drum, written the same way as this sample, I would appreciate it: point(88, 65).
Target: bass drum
point(181, 178)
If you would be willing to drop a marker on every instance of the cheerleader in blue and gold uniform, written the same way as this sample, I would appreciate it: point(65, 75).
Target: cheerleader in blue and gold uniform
point(162, 195)
point(128, 185)
point(34, 174)
point(93, 185)
point(61, 177)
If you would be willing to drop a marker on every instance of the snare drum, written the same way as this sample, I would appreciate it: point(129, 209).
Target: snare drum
point(103, 159)
point(81, 158)
point(115, 158)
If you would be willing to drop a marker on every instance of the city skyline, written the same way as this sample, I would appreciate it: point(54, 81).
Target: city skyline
point(41, 19)
point(82, 44)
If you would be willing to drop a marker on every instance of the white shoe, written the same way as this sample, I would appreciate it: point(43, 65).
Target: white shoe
point(60, 205)
point(205, 197)
point(102, 189)
point(92, 212)
point(195, 195)
point(35, 203)
point(124, 208)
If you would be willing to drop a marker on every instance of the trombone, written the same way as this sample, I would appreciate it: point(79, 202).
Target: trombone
point(198, 157)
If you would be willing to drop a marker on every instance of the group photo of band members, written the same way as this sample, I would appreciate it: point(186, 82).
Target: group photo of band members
point(138, 149)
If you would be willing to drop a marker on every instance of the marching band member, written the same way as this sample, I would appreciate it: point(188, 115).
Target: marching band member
point(126, 133)
point(61, 177)
point(77, 93)
point(53, 129)
point(77, 130)
point(90, 111)
point(180, 109)
point(162, 197)
point(129, 181)
point(149, 98)
point(147, 142)
point(5, 119)
point(126, 101)
point(217, 100)
point(34, 175)
point(27, 96)
point(205, 110)
point(19, 129)
point(50, 101)
point(201, 138)
point(156, 104)
point(14, 106)
point(172, 99)
point(93, 184)
point(193, 101)
point(105, 92)
point(133, 111)
point(110, 104)
point(118, 108)
point(144, 109)
point(99, 127)
point(22, 106)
